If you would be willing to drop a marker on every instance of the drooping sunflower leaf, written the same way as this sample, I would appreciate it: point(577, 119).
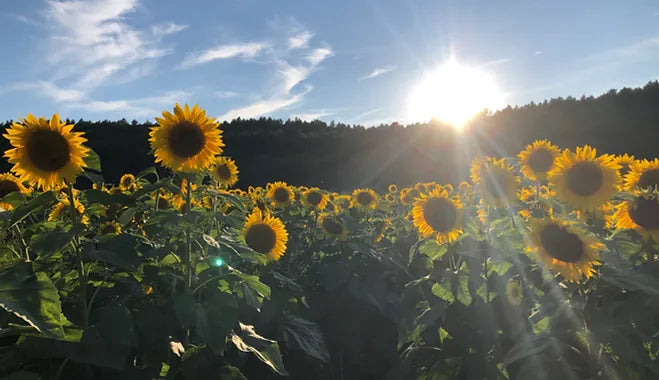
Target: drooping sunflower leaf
point(267, 350)
point(306, 336)
point(32, 297)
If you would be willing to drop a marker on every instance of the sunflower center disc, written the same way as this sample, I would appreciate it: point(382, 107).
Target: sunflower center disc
point(261, 238)
point(223, 172)
point(561, 244)
point(649, 179)
point(163, 203)
point(7, 187)
point(127, 182)
point(109, 229)
point(281, 195)
point(645, 213)
point(585, 178)
point(186, 139)
point(314, 198)
point(364, 198)
point(440, 214)
point(494, 184)
point(541, 160)
point(48, 150)
point(332, 226)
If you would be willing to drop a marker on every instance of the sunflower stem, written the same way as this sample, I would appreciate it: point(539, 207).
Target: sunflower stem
point(82, 277)
point(188, 259)
point(22, 243)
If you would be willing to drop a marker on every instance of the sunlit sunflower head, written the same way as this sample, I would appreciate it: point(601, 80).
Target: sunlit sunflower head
point(265, 234)
point(514, 292)
point(381, 227)
point(439, 214)
point(583, 180)
point(495, 181)
point(464, 187)
point(280, 194)
point(224, 171)
point(393, 188)
point(643, 175)
point(625, 161)
point(640, 214)
point(314, 198)
point(564, 248)
point(537, 160)
point(332, 226)
point(364, 199)
point(127, 182)
point(9, 184)
point(62, 211)
point(187, 140)
point(162, 200)
point(390, 197)
point(46, 152)
point(343, 201)
point(407, 196)
point(108, 228)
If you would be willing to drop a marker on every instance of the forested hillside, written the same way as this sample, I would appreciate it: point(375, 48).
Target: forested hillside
point(338, 156)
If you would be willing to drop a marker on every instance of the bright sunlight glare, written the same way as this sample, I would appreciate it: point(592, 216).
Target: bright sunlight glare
point(454, 93)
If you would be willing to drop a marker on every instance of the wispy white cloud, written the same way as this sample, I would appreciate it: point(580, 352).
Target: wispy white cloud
point(49, 90)
point(225, 94)
point(239, 50)
point(312, 115)
point(319, 55)
point(379, 71)
point(263, 107)
point(495, 62)
point(289, 77)
point(167, 29)
point(362, 116)
point(133, 107)
point(300, 40)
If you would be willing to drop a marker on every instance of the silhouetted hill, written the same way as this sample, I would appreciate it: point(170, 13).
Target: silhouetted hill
point(340, 157)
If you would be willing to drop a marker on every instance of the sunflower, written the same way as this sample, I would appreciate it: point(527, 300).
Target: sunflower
point(464, 187)
point(381, 229)
point(365, 199)
point(62, 210)
point(127, 182)
point(640, 214)
point(642, 175)
point(332, 226)
point(163, 200)
point(314, 198)
point(280, 194)
point(225, 171)
point(514, 292)
point(109, 228)
point(343, 201)
point(407, 196)
point(496, 182)
point(265, 234)
point(625, 161)
point(583, 180)
point(437, 213)
point(393, 188)
point(390, 197)
point(46, 153)
point(9, 184)
point(186, 141)
point(538, 159)
point(564, 248)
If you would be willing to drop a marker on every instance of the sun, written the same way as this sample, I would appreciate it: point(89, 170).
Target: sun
point(454, 93)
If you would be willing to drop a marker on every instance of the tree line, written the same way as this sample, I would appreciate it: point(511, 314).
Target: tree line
point(340, 157)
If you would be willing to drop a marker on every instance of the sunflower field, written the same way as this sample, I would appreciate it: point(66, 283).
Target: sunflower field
point(542, 266)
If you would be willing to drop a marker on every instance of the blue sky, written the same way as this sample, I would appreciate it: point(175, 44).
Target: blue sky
point(352, 61)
